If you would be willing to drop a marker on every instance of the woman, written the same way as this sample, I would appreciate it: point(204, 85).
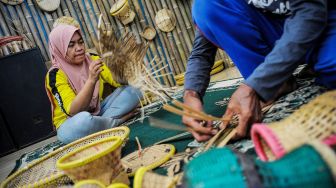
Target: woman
point(75, 85)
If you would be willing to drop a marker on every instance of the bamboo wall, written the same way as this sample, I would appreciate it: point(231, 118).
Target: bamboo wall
point(171, 48)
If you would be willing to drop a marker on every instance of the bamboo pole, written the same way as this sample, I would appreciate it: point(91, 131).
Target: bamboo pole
point(97, 13)
point(7, 21)
point(3, 24)
point(188, 10)
point(89, 12)
point(50, 19)
point(65, 9)
point(86, 20)
point(42, 17)
point(184, 23)
point(106, 7)
point(32, 26)
point(27, 30)
point(161, 39)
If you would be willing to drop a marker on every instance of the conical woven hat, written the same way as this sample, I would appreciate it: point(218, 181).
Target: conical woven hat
point(313, 121)
point(48, 5)
point(67, 20)
point(165, 20)
point(12, 2)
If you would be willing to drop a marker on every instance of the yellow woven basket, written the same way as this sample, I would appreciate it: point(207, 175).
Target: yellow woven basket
point(313, 121)
point(99, 160)
point(44, 173)
point(144, 178)
point(122, 11)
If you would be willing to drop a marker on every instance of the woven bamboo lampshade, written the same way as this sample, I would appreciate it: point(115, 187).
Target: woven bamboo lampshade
point(99, 160)
point(122, 11)
point(43, 172)
point(148, 33)
point(12, 2)
point(48, 5)
point(165, 20)
point(144, 178)
point(313, 121)
point(67, 20)
point(150, 157)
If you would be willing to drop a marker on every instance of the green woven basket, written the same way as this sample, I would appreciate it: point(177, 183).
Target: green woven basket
point(215, 168)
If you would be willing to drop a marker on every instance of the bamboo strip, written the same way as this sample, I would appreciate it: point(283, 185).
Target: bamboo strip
point(97, 13)
point(15, 20)
point(65, 9)
point(161, 39)
point(8, 23)
point(50, 19)
point(188, 12)
point(27, 31)
point(89, 12)
point(187, 24)
point(3, 24)
point(105, 16)
point(34, 31)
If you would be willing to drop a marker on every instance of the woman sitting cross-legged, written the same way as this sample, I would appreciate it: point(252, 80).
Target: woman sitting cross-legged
point(75, 85)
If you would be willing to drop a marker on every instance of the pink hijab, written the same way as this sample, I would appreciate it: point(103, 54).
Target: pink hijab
point(59, 39)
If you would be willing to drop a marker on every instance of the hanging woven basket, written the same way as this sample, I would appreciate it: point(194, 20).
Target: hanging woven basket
point(48, 5)
point(99, 160)
point(148, 33)
point(122, 11)
point(165, 20)
point(66, 20)
point(313, 121)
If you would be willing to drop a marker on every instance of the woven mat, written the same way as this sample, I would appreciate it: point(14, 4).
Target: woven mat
point(215, 100)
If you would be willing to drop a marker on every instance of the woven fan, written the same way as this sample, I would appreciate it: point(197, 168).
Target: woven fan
point(99, 160)
point(12, 2)
point(150, 157)
point(48, 5)
point(147, 179)
point(313, 121)
point(124, 58)
point(43, 171)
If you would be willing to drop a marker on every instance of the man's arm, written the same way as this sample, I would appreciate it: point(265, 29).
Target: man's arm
point(301, 31)
point(199, 65)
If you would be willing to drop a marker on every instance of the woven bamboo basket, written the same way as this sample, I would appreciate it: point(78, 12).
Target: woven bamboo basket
point(48, 5)
point(89, 183)
point(99, 160)
point(66, 20)
point(165, 20)
point(44, 173)
point(150, 157)
point(122, 11)
point(12, 2)
point(146, 179)
point(313, 121)
point(148, 33)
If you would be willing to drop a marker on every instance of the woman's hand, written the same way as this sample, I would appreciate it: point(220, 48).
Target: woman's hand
point(200, 131)
point(94, 71)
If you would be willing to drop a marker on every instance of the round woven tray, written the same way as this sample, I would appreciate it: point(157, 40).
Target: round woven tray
point(48, 5)
point(150, 157)
point(98, 160)
point(67, 20)
point(148, 33)
point(165, 20)
point(12, 2)
point(144, 178)
point(43, 172)
point(313, 121)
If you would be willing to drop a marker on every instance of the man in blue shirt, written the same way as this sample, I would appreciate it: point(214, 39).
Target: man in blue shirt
point(267, 40)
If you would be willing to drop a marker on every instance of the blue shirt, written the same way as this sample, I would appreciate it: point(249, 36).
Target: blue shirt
point(302, 28)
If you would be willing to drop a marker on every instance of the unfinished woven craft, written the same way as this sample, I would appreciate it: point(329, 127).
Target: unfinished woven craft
point(43, 172)
point(99, 160)
point(12, 2)
point(90, 183)
point(311, 165)
point(67, 20)
point(48, 5)
point(165, 20)
point(150, 157)
point(148, 33)
point(144, 178)
point(313, 121)
point(122, 11)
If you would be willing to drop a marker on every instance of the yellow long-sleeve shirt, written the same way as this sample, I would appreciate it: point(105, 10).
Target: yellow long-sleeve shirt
point(62, 93)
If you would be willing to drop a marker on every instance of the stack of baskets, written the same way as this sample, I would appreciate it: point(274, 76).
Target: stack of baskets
point(122, 11)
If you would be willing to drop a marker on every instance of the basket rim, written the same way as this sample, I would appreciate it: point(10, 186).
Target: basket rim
point(116, 12)
point(262, 131)
point(89, 181)
point(159, 162)
point(79, 162)
point(138, 177)
point(19, 172)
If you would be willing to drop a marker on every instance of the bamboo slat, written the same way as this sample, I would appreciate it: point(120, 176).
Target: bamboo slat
point(27, 31)
point(7, 21)
point(64, 9)
point(188, 25)
point(86, 20)
point(3, 23)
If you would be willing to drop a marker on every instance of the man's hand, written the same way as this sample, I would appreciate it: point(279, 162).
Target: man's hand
point(200, 131)
point(246, 104)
